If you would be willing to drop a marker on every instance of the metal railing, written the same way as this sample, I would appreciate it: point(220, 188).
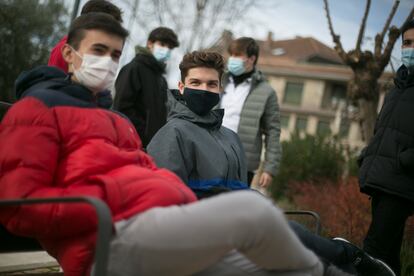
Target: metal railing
point(104, 224)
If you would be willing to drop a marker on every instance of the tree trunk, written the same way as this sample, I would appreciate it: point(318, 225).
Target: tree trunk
point(367, 117)
point(363, 90)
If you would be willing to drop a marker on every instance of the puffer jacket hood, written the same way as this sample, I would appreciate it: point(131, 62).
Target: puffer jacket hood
point(404, 78)
point(49, 77)
point(178, 109)
point(40, 74)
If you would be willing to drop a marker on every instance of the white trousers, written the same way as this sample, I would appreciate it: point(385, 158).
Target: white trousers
point(237, 233)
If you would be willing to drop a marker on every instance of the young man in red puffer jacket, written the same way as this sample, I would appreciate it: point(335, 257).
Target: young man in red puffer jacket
point(58, 142)
point(61, 143)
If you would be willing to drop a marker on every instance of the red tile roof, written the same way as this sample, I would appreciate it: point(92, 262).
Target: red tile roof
point(299, 49)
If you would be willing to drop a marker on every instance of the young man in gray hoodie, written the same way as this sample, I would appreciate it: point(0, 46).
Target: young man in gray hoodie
point(209, 158)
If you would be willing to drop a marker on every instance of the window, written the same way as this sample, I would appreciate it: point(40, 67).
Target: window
point(344, 128)
point(278, 51)
point(284, 121)
point(293, 93)
point(338, 93)
point(323, 128)
point(301, 124)
point(335, 94)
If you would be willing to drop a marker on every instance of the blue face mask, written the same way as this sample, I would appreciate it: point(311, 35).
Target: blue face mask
point(161, 54)
point(407, 57)
point(236, 66)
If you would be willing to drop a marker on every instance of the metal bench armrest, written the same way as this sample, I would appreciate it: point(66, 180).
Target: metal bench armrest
point(104, 224)
point(315, 216)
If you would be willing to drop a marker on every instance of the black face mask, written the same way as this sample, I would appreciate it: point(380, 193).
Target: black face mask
point(200, 101)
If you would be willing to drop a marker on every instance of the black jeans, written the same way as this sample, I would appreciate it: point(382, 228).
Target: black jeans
point(385, 234)
point(333, 252)
point(250, 176)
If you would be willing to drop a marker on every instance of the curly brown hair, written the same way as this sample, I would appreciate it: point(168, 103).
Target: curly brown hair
point(202, 59)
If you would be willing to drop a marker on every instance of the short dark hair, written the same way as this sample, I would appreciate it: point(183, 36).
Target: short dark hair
point(409, 25)
point(102, 6)
point(202, 59)
point(94, 21)
point(165, 35)
point(244, 45)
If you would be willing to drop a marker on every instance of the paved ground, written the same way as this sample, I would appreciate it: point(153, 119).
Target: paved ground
point(27, 263)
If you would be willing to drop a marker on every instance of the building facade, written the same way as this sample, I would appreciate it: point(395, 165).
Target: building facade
point(311, 84)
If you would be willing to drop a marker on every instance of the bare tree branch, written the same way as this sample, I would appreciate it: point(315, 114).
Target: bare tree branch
point(409, 17)
point(224, 14)
point(393, 35)
point(379, 38)
point(362, 27)
point(175, 15)
point(213, 20)
point(335, 37)
point(390, 17)
point(133, 16)
point(197, 23)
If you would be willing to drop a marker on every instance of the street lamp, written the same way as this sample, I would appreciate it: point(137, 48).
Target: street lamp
point(75, 10)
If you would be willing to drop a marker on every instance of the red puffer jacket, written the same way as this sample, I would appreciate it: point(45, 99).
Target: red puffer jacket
point(58, 143)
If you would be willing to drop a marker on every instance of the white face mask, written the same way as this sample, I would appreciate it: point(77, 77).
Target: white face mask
point(161, 53)
point(96, 73)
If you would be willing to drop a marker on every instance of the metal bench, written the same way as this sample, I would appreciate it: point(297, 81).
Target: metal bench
point(103, 237)
point(13, 243)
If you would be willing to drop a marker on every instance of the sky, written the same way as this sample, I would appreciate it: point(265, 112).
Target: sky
point(290, 18)
point(307, 18)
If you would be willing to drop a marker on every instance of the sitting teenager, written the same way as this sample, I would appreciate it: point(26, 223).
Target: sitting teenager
point(209, 157)
point(193, 144)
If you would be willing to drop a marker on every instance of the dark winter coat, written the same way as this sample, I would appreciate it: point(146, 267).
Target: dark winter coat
point(208, 157)
point(388, 161)
point(141, 94)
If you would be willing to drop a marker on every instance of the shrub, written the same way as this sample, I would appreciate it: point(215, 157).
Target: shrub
point(344, 210)
point(308, 159)
point(407, 258)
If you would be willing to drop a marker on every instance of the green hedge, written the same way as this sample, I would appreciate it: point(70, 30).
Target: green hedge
point(308, 158)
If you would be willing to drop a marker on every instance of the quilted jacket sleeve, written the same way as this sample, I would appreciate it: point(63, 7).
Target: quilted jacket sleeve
point(170, 152)
point(271, 129)
point(29, 153)
point(407, 159)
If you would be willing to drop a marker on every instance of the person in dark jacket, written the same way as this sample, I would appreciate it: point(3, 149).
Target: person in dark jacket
point(387, 163)
point(141, 89)
point(208, 157)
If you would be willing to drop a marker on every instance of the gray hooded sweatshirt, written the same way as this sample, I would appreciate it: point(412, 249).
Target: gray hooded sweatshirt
point(208, 157)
